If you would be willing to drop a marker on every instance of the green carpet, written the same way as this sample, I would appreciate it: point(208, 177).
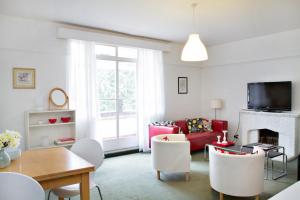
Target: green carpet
point(131, 177)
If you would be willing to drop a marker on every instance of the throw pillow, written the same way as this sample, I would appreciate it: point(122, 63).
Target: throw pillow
point(207, 125)
point(164, 123)
point(195, 125)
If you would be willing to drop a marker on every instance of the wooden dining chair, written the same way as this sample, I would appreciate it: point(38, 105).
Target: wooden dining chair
point(91, 151)
point(15, 186)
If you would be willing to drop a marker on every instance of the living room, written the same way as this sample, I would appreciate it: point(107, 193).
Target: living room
point(246, 42)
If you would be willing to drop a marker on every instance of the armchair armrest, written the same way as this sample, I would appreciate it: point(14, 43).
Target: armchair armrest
point(158, 130)
point(219, 125)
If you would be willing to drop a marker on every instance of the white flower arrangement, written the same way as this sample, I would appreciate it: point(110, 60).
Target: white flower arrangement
point(9, 139)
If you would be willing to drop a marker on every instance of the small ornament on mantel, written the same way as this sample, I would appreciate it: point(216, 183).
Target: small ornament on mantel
point(219, 139)
point(224, 137)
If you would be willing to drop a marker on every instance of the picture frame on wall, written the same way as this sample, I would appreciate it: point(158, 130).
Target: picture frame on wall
point(182, 85)
point(23, 78)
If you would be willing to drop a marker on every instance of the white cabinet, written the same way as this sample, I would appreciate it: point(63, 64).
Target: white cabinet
point(42, 134)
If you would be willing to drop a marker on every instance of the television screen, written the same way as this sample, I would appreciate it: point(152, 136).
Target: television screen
point(270, 96)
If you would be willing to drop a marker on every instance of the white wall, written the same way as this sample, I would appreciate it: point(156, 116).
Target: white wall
point(28, 43)
point(231, 66)
point(33, 43)
point(181, 106)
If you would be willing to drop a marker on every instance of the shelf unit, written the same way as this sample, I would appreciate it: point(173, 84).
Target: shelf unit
point(41, 134)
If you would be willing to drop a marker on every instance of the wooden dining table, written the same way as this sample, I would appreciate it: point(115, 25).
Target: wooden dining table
point(54, 167)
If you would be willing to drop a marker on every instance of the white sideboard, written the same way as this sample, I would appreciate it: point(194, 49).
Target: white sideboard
point(42, 134)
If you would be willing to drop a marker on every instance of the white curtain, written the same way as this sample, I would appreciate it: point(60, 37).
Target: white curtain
point(151, 101)
point(81, 87)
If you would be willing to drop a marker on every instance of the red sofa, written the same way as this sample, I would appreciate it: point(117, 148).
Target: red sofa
point(197, 140)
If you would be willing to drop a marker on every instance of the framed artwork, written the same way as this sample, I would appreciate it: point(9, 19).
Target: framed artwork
point(182, 85)
point(23, 78)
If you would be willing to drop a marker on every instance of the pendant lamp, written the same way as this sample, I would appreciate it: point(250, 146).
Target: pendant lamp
point(194, 49)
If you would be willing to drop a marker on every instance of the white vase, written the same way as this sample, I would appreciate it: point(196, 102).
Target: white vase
point(4, 158)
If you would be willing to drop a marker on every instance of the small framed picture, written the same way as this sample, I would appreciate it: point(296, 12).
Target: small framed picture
point(182, 85)
point(23, 78)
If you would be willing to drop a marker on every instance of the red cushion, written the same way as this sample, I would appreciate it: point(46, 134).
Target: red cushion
point(219, 125)
point(229, 152)
point(165, 138)
point(183, 126)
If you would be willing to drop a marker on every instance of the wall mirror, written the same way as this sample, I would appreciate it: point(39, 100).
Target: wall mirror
point(58, 99)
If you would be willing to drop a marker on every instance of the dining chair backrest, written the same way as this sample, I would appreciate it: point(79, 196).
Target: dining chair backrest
point(14, 186)
point(90, 150)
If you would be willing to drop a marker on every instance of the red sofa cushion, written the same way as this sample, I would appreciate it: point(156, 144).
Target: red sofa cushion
point(219, 125)
point(183, 126)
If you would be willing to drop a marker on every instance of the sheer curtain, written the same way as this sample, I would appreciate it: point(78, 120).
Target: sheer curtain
point(151, 101)
point(81, 85)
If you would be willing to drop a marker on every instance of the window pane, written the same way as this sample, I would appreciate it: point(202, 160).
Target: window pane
point(105, 50)
point(127, 102)
point(127, 80)
point(128, 125)
point(106, 79)
point(127, 52)
point(107, 115)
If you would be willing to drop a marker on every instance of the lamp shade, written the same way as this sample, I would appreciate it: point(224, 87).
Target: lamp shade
point(216, 103)
point(194, 49)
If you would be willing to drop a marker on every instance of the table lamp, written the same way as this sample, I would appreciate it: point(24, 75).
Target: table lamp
point(216, 104)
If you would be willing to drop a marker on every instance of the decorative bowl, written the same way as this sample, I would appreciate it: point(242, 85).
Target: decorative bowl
point(52, 120)
point(65, 119)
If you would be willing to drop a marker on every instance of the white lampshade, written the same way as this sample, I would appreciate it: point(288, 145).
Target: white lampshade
point(216, 103)
point(194, 49)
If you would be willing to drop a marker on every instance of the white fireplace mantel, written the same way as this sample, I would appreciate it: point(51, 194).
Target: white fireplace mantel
point(287, 124)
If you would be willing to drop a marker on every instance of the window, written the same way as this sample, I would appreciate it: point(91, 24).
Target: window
point(116, 91)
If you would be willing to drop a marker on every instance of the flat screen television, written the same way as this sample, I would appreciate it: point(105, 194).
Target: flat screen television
point(270, 96)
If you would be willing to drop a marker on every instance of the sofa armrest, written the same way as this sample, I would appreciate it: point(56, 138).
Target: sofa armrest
point(158, 130)
point(219, 125)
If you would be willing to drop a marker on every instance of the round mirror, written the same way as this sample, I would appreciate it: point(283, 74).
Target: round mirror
point(58, 97)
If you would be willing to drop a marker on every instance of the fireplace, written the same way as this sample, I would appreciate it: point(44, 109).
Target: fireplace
point(268, 136)
point(286, 124)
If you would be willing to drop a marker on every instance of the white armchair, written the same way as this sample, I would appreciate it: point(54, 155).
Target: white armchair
point(236, 175)
point(171, 153)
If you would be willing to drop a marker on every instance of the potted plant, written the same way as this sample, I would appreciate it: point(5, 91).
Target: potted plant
point(8, 139)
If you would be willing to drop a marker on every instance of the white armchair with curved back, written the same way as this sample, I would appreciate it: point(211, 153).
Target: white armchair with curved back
point(236, 175)
point(171, 153)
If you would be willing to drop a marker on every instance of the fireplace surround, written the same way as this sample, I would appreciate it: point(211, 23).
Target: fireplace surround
point(286, 124)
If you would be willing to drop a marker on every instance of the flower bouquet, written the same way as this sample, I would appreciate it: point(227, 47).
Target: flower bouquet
point(8, 139)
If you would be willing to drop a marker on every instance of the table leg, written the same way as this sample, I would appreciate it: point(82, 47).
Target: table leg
point(85, 187)
point(61, 198)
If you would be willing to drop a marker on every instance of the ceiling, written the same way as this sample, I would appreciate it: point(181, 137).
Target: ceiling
point(218, 21)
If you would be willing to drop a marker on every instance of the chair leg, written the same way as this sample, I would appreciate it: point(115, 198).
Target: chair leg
point(187, 176)
point(61, 198)
point(99, 192)
point(221, 196)
point(257, 197)
point(49, 195)
point(158, 174)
